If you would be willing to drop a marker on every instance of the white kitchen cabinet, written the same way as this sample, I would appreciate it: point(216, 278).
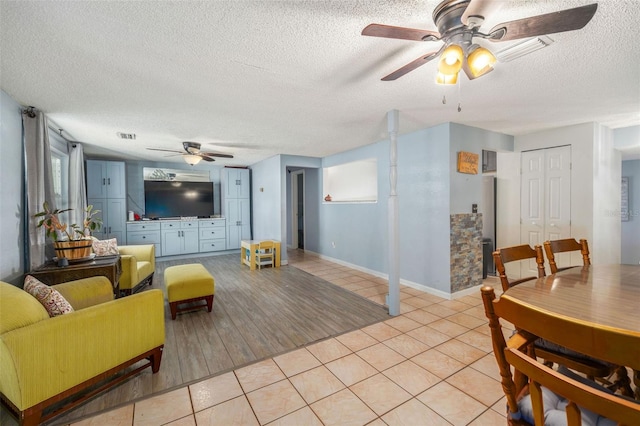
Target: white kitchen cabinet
point(106, 191)
point(179, 237)
point(236, 205)
point(106, 179)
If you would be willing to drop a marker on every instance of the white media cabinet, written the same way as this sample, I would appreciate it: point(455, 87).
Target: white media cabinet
point(176, 237)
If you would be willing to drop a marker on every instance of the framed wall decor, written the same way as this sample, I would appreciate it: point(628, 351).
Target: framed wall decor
point(624, 201)
point(468, 162)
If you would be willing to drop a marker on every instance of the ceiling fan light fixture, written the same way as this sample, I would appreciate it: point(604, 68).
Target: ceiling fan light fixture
point(446, 79)
point(192, 159)
point(480, 61)
point(451, 60)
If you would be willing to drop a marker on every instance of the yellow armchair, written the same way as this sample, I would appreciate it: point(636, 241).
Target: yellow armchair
point(138, 266)
point(45, 360)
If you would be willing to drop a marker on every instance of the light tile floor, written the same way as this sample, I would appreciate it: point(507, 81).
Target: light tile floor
point(432, 365)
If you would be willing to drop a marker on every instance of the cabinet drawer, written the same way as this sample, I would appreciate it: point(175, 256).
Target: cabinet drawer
point(143, 237)
point(169, 224)
point(213, 233)
point(193, 224)
point(212, 223)
point(143, 226)
point(212, 245)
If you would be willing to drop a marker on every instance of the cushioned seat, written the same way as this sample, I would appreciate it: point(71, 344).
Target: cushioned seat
point(188, 283)
point(138, 266)
point(47, 360)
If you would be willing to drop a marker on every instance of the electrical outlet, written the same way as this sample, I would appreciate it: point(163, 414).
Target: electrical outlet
point(333, 244)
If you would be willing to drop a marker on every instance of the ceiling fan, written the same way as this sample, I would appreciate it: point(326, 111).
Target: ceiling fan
point(459, 23)
point(192, 154)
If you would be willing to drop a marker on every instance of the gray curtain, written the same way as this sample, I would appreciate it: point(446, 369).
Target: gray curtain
point(77, 187)
point(38, 181)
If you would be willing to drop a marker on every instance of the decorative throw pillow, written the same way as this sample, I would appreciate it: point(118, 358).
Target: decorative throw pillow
point(105, 247)
point(50, 298)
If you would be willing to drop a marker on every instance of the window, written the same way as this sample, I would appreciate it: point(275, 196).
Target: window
point(354, 182)
point(60, 172)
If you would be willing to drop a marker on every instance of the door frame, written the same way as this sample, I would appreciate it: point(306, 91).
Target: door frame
point(294, 209)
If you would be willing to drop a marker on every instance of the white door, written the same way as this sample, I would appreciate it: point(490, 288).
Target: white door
point(545, 203)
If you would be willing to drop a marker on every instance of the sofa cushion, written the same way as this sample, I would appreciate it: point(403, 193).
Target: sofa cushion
point(105, 247)
point(18, 308)
point(50, 298)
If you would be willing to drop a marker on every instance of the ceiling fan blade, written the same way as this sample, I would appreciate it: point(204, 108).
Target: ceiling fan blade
point(216, 154)
point(482, 8)
point(555, 22)
point(205, 158)
point(388, 31)
point(164, 150)
point(411, 66)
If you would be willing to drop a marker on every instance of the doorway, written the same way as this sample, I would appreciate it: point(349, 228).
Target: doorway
point(297, 206)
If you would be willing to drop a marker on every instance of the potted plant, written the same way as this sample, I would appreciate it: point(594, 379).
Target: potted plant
point(70, 241)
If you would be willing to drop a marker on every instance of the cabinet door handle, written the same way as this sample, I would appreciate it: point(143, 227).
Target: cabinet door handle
point(109, 181)
point(144, 237)
point(104, 181)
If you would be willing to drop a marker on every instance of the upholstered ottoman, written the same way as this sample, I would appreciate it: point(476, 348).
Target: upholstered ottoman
point(188, 283)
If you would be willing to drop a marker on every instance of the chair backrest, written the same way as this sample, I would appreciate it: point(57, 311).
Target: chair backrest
point(511, 254)
point(519, 353)
point(266, 245)
point(561, 246)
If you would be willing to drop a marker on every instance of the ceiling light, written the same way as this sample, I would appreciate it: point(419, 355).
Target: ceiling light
point(523, 48)
point(446, 79)
point(192, 159)
point(480, 61)
point(451, 60)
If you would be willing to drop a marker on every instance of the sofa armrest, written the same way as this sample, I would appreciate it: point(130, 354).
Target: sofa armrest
point(144, 252)
point(129, 277)
point(46, 358)
point(86, 292)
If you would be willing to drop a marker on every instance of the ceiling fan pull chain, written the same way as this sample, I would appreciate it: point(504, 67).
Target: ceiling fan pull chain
point(459, 96)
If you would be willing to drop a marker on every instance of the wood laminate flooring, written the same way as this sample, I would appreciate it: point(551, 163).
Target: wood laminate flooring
point(256, 315)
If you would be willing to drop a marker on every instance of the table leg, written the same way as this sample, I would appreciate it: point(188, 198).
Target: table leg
point(252, 256)
point(277, 255)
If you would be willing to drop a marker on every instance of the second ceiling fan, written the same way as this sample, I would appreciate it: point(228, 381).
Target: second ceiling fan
point(459, 22)
point(192, 154)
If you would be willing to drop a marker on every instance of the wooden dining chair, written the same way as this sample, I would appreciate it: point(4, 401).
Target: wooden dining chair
point(551, 353)
point(536, 392)
point(516, 253)
point(566, 245)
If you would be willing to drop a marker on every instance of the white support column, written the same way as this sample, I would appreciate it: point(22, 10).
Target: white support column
point(393, 298)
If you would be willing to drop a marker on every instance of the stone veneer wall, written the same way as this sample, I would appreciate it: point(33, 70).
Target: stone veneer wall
point(466, 251)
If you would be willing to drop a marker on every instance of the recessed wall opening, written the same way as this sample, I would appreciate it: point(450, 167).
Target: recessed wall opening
point(354, 182)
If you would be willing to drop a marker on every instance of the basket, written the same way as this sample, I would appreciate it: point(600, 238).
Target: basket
point(76, 249)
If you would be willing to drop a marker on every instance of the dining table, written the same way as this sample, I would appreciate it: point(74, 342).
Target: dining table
point(604, 295)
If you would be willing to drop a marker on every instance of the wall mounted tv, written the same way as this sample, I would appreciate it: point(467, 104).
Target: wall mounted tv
point(164, 199)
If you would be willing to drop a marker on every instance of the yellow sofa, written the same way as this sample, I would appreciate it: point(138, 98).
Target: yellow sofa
point(45, 360)
point(138, 266)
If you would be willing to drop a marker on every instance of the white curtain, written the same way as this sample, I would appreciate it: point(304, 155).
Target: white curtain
point(77, 187)
point(38, 180)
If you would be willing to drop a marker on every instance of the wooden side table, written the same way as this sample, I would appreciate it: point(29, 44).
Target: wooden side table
point(108, 266)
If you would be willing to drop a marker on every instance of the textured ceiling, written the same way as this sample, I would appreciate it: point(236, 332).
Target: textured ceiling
point(259, 78)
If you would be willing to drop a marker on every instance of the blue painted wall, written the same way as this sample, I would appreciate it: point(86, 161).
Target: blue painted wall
point(466, 189)
point(356, 232)
point(630, 241)
point(11, 190)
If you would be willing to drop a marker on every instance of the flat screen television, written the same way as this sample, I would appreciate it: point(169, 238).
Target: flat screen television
point(177, 199)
